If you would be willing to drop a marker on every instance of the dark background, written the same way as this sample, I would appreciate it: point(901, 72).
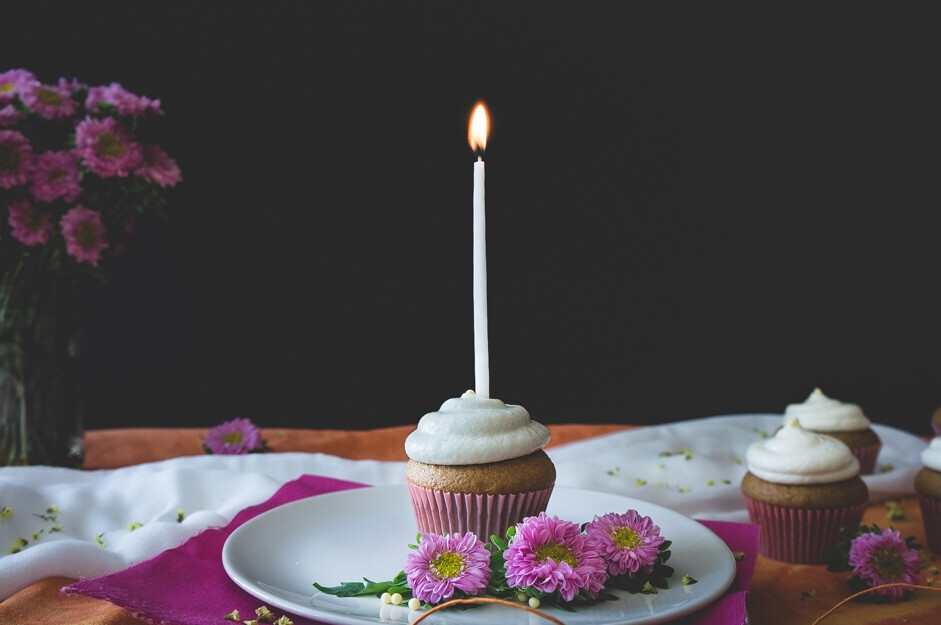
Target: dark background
point(693, 208)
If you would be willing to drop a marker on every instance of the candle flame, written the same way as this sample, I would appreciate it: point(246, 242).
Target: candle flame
point(477, 130)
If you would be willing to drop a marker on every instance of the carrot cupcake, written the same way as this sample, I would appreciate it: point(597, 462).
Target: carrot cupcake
point(846, 422)
point(928, 489)
point(801, 488)
point(477, 465)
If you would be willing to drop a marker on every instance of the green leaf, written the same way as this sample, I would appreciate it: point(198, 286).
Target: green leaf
point(345, 589)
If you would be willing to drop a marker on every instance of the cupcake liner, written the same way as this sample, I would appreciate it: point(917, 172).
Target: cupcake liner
point(442, 512)
point(867, 458)
point(931, 516)
point(800, 535)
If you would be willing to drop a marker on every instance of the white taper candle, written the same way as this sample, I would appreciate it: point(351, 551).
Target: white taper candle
point(481, 347)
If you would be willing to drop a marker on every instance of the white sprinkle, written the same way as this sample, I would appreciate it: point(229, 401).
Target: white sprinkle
point(386, 598)
point(397, 599)
point(414, 603)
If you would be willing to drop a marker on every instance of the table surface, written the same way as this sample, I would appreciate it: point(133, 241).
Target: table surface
point(781, 593)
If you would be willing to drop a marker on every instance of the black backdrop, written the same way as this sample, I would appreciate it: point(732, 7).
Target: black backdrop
point(693, 208)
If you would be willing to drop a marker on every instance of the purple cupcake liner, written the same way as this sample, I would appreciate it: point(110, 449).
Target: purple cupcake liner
point(442, 512)
point(931, 517)
point(867, 458)
point(800, 535)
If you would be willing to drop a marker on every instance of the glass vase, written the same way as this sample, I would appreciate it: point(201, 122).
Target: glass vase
point(40, 412)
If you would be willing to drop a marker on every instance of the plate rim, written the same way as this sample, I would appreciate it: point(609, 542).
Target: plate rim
point(309, 611)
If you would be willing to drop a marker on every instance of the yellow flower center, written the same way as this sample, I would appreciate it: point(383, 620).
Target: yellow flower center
point(889, 564)
point(48, 96)
point(447, 565)
point(233, 438)
point(34, 221)
point(625, 538)
point(558, 553)
point(86, 235)
point(110, 144)
point(9, 158)
point(6, 87)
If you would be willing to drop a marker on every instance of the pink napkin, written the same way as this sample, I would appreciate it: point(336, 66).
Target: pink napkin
point(188, 586)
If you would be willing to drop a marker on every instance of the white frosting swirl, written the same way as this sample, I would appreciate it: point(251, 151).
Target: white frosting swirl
point(473, 430)
point(795, 456)
point(931, 455)
point(823, 414)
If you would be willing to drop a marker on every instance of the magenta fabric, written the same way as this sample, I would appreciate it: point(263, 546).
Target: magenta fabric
point(193, 588)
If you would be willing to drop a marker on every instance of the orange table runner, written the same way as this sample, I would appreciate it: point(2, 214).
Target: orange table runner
point(781, 593)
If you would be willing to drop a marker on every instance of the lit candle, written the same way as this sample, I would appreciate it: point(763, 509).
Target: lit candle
point(477, 136)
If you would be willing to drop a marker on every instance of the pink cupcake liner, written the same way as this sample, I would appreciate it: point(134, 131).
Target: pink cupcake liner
point(801, 535)
point(443, 512)
point(867, 458)
point(931, 516)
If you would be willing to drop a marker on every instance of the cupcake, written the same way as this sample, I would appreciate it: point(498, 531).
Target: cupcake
point(845, 422)
point(801, 488)
point(477, 465)
point(936, 422)
point(928, 489)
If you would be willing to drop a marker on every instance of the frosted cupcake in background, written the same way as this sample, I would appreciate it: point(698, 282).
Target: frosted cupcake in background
point(846, 422)
point(477, 465)
point(928, 489)
point(801, 488)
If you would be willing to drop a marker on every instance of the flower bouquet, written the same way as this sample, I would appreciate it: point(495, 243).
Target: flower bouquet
point(542, 559)
point(78, 167)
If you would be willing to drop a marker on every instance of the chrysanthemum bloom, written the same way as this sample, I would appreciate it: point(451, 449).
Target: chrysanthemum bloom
point(16, 159)
point(48, 101)
point(628, 542)
point(56, 175)
point(70, 85)
point(106, 147)
point(884, 559)
point(9, 115)
point(123, 101)
point(29, 225)
point(550, 554)
point(443, 564)
point(157, 167)
point(11, 81)
point(84, 234)
point(238, 436)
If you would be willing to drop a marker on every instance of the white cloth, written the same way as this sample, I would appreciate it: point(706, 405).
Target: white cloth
point(699, 478)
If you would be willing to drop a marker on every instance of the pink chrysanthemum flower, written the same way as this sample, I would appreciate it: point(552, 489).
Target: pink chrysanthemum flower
point(16, 159)
point(123, 101)
point(56, 175)
point(884, 559)
point(238, 436)
point(11, 81)
point(444, 564)
point(70, 85)
point(84, 234)
point(628, 542)
point(48, 101)
point(157, 167)
point(551, 555)
point(30, 226)
point(106, 147)
point(9, 115)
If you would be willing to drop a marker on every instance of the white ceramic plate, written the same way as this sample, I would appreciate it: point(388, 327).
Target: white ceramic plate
point(347, 535)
